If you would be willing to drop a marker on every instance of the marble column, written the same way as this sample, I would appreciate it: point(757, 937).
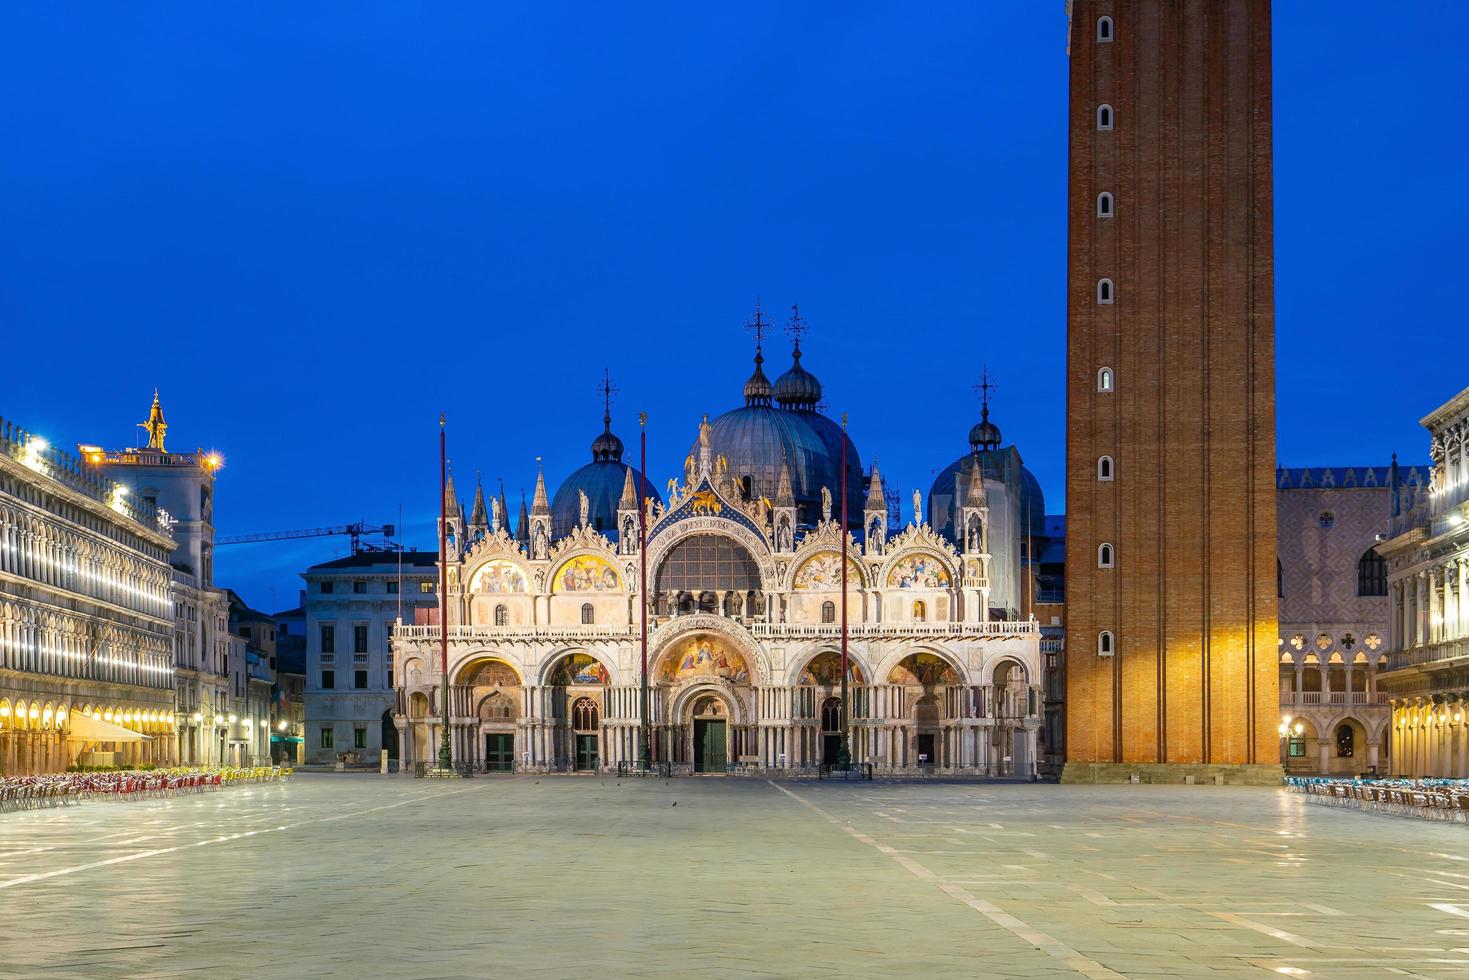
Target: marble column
point(1462, 565)
point(1424, 614)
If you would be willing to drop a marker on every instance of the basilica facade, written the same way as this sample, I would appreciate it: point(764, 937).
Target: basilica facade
point(744, 592)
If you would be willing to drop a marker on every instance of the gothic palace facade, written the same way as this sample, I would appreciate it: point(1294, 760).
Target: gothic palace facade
point(744, 596)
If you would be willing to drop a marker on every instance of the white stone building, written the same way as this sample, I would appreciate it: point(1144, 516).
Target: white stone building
point(86, 615)
point(181, 486)
point(1333, 617)
point(744, 599)
point(351, 606)
point(1428, 593)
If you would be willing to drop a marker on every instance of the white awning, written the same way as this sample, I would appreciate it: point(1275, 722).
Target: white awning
point(88, 729)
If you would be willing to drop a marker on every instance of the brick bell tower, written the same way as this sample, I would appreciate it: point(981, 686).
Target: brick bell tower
point(1170, 435)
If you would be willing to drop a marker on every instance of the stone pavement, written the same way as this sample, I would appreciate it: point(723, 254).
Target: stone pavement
point(370, 876)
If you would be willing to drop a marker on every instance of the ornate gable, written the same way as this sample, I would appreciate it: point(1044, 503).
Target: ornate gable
point(826, 539)
point(497, 544)
point(913, 543)
point(705, 500)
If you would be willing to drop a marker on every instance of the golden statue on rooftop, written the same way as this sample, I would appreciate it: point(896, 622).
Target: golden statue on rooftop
point(155, 425)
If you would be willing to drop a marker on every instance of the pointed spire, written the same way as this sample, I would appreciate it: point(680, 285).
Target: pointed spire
point(504, 507)
point(629, 499)
point(875, 498)
point(541, 503)
point(478, 516)
point(975, 495)
point(157, 428)
point(451, 499)
point(522, 524)
point(784, 496)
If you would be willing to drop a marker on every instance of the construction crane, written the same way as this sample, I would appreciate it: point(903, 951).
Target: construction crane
point(356, 531)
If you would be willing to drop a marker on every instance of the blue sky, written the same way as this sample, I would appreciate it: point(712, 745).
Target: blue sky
point(315, 227)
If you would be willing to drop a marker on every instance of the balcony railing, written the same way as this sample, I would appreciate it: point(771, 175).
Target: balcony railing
point(1329, 697)
point(773, 631)
point(1429, 653)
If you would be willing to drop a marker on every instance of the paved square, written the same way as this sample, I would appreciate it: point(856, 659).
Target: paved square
point(356, 876)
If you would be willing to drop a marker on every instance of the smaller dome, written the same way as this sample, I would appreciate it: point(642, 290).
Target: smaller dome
point(798, 388)
point(985, 434)
point(758, 389)
point(607, 448)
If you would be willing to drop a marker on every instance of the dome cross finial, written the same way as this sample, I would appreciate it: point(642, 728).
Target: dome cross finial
point(758, 389)
point(984, 388)
point(607, 390)
point(796, 327)
point(985, 435)
point(758, 326)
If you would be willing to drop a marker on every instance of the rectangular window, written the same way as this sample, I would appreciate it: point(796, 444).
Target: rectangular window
point(328, 680)
point(328, 639)
point(359, 678)
point(326, 588)
point(1297, 748)
point(359, 737)
point(326, 738)
point(359, 588)
point(359, 638)
point(392, 588)
point(425, 587)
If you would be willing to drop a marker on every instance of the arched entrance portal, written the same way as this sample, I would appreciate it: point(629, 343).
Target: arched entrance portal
point(711, 734)
point(493, 699)
point(831, 731)
point(705, 682)
point(578, 683)
point(584, 729)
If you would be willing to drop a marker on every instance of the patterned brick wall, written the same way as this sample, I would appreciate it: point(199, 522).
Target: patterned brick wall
point(1189, 335)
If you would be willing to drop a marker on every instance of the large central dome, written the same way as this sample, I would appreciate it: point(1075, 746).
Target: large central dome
point(758, 439)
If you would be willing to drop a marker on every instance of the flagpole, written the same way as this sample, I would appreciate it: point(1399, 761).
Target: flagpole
point(844, 753)
point(445, 757)
point(643, 585)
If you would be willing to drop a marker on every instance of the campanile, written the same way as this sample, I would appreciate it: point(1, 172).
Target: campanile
point(1170, 406)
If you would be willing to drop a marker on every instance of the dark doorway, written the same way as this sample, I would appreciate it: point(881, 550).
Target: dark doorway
point(709, 753)
point(390, 735)
point(499, 753)
point(586, 753)
point(926, 755)
point(831, 747)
